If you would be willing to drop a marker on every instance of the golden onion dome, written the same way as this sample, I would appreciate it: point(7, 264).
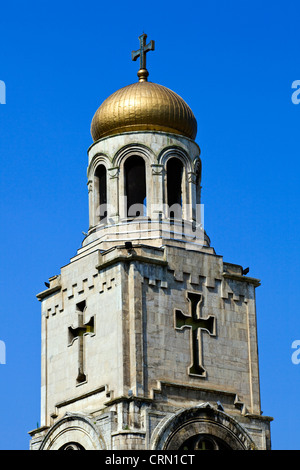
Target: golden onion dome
point(143, 106)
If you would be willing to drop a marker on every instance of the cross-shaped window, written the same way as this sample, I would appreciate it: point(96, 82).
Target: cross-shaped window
point(197, 324)
point(78, 333)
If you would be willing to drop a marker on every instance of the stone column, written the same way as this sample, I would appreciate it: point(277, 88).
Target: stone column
point(44, 371)
point(113, 209)
point(191, 199)
point(156, 204)
point(135, 324)
point(252, 352)
point(91, 204)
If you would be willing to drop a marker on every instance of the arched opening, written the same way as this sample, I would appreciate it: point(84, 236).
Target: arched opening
point(204, 442)
point(72, 446)
point(101, 192)
point(175, 187)
point(198, 183)
point(201, 428)
point(135, 186)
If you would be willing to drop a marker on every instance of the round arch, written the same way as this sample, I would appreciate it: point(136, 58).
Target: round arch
point(198, 169)
point(119, 161)
point(133, 149)
point(177, 152)
point(204, 420)
point(73, 430)
point(98, 159)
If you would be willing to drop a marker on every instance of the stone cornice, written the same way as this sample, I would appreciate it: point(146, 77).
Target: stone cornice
point(240, 278)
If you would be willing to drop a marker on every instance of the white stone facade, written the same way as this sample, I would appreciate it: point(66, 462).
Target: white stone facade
point(119, 370)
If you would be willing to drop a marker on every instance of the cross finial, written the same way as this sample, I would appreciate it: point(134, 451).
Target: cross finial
point(141, 53)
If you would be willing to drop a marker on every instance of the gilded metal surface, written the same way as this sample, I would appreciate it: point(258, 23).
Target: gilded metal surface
point(143, 106)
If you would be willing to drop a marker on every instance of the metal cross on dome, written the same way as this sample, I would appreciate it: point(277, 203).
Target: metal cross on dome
point(141, 53)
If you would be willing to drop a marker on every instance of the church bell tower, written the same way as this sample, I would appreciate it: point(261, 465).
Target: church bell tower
point(149, 338)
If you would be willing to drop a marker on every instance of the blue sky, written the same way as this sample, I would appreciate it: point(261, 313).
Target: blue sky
point(234, 63)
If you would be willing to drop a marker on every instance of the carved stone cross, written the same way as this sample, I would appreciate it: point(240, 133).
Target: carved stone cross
point(79, 333)
point(141, 53)
point(197, 324)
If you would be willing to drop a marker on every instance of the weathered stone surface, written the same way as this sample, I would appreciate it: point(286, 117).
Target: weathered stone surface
point(116, 367)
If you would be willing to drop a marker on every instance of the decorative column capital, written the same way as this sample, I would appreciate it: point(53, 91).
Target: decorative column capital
point(157, 169)
point(113, 172)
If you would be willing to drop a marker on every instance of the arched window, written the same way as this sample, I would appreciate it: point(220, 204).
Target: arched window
point(101, 192)
point(135, 186)
point(174, 187)
point(204, 442)
point(72, 446)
